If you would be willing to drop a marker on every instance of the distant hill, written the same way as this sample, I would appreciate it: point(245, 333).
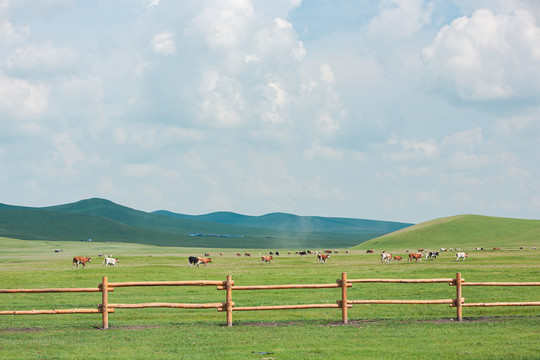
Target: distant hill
point(289, 222)
point(461, 231)
point(102, 220)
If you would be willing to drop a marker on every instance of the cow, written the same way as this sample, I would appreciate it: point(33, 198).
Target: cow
point(247, 254)
point(322, 257)
point(442, 249)
point(302, 253)
point(80, 260)
point(193, 260)
point(534, 247)
point(327, 251)
point(370, 251)
point(58, 250)
point(206, 254)
point(397, 258)
point(220, 254)
point(496, 248)
point(204, 261)
point(386, 257)
point(432, 255)
point(421, 250)
point(347, 252)
point(277, 253)
point(267, 259)
point(238, 254)
point(415, 256)
point(110, 261)
point(461, 255)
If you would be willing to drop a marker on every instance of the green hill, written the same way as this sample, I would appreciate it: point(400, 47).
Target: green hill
point(102, 220)
point(462, 231)
point(290, 222)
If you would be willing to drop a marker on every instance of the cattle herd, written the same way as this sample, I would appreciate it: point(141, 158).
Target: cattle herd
point(322, 256)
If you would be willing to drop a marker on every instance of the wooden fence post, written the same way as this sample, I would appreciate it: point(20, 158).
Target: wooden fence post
point(228, 300)
point(459, 304)
point(344, 298)
point(105, 302)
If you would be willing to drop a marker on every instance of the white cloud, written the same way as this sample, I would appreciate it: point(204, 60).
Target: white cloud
point(400, 18)
point(8, 33)
point(317, 152)
point(326, 73)
point(163, 43)
point(487, 57)
point(224, 23)
point(32, 61)
point(22, 98)
point(68, 150)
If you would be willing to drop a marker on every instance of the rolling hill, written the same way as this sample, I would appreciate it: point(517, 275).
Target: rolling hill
point(104, 221)
point(461, 231)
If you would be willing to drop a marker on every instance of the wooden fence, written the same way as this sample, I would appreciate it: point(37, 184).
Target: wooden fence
point(229, 306)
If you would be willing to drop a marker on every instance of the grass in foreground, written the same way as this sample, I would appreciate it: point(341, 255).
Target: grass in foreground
point(376, 331)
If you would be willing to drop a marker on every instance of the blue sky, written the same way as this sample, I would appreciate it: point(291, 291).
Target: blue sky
point(402, 110)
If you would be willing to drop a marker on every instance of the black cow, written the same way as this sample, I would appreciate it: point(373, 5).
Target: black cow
point(432, 255)
point(193, 260)
point(302, 253)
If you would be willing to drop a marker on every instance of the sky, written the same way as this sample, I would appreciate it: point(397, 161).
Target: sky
point(398, 110)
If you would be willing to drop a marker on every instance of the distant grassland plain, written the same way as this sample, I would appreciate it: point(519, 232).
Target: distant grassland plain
point(374, 332)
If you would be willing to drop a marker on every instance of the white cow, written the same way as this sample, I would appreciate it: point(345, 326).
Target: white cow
point(386, 257)
point(461, 255)
point(110, 261)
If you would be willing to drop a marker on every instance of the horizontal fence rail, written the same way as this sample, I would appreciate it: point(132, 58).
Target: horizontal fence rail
point(228, 306)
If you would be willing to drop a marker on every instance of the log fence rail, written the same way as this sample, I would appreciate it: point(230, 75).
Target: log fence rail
point(228, 306)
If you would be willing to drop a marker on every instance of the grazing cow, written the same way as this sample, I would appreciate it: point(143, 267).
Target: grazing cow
point(247, 254)
point(397, 258)
point(370, 251)
point(496, 248)
point(442, 249)
point(461, 255)
point(322, 257)
point(193, 260)
point(220, 254)
point(386, 257)
point(58, 250)
point(80, 260)
point(289, 252)
point(432, 255)
point(267, 259)
point(421, 250)
point(204, 261)
point(302, 253)
point(327, 251)
point(415, 256)
point(277, 253)
point(347, 252)
point(238, 254)
point(206, 254)
point(110, 261)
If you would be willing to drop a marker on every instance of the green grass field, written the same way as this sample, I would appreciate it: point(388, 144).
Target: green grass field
point(374, 332)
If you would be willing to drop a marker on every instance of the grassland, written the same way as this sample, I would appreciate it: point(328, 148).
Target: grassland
point(375, 331)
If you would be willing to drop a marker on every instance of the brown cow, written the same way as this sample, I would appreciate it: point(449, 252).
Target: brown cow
point(247, 254)
point(322, 257)
point(80, 260)
point(415, 256)
point(397, 258)
point(204, 261)
point(267, 259)
point(370, 251)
